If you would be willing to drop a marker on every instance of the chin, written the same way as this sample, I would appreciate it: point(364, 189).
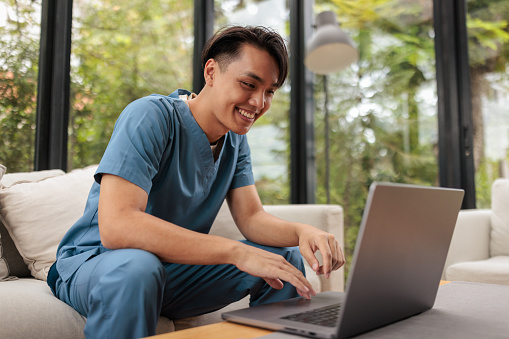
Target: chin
point(241, 131)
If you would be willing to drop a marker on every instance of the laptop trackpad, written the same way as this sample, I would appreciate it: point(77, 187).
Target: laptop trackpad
point(266, 315)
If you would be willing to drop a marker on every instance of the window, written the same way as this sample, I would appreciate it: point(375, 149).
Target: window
point(488, 30)
point(382, 110)
point(122, 51)
point(19, 57)
point(269, 138)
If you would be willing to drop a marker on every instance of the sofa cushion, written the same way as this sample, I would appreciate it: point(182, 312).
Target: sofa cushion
point(29, 310)
point(499, 243)
point(38, 214)
point(490, 271)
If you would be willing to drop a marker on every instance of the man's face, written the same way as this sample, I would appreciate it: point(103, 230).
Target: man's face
point(243, 90)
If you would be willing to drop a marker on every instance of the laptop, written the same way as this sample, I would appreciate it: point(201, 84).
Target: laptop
point(397, 264)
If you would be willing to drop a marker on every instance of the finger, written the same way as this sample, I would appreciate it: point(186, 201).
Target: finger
point(341, 257)
point(274, 283)
point(309, 256)
point(297, 279)
point(304, 294)
point(280, 269)
point(335, 252)
point(325, 249)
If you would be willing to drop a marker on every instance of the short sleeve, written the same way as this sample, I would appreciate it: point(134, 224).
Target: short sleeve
point(243, 175)
point(141, 134)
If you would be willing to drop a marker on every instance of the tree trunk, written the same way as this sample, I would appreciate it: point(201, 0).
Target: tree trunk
point(479, 88)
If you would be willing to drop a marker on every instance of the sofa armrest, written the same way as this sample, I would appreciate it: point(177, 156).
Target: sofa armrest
point(471, 237)
point(328, 218)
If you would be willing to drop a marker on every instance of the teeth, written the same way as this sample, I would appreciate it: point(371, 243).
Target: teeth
point(246, 114)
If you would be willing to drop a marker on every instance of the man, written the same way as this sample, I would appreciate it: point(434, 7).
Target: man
point(142, 247)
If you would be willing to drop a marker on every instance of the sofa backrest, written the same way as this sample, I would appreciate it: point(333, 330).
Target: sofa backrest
point(499, 243)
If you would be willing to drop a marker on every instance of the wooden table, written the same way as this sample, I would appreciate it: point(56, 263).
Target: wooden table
point(222, 330)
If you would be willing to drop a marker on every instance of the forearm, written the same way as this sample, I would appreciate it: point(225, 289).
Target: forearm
point(171, 243)
point(265, 229)
point(259, 226)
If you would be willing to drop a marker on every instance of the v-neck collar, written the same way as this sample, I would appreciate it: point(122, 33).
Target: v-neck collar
point(199, 137)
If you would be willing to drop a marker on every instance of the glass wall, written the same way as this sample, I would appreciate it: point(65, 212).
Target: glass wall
point(269, 138)
point(488, 29)
point(20, 30)
point(122, 51)
point(382, 124)
point(382, 110)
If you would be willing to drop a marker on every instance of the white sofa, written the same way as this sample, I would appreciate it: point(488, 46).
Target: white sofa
point(479, 250)
point(37, 208)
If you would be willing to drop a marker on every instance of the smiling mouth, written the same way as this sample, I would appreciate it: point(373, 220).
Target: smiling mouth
point(246, 113)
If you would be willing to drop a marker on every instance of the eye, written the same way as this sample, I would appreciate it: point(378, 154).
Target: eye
point(247, 84)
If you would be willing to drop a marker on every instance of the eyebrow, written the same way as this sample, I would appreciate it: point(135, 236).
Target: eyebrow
point(257, 78)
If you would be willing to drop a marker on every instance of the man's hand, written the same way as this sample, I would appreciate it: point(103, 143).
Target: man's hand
point(263, 228)
point(311, 240)
point(272, 268)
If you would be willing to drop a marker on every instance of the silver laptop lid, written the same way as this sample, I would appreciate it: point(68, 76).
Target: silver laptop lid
point(408, 231)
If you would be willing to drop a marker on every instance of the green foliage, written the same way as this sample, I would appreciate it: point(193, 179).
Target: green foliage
point(381, 127)
point(123, 51)
point(19, 52)
point(486, 37)
point(273, 191)
point(383, 111)
point(487, 173)
point(483, 181)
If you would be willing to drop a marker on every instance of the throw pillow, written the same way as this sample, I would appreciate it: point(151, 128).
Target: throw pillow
point(38, 214)
point(11, 262)
point(10, 179)
point(499, 244)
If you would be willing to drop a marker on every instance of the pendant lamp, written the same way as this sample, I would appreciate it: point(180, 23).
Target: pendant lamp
point(330, 49)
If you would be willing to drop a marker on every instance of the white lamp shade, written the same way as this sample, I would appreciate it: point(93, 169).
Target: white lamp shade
point(329, 49)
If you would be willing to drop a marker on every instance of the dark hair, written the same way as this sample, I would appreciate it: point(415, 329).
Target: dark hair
point(225, 46)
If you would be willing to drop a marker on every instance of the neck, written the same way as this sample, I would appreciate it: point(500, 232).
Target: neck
point(200, 107)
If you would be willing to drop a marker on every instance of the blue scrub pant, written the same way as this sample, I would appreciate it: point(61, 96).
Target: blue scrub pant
point(123, 292)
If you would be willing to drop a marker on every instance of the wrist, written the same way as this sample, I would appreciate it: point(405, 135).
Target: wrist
point(301, 229)
point(234, 252)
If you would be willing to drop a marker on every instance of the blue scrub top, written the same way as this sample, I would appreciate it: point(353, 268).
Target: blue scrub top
point(158, 145)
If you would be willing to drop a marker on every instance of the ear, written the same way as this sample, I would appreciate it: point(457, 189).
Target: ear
point(211, 67)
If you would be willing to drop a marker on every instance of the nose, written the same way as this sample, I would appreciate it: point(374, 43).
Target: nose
point(257, 100)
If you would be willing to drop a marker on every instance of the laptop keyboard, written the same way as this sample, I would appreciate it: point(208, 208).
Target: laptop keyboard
point(325, 316)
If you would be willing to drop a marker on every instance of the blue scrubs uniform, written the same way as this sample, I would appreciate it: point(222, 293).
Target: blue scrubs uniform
point(158, 145)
